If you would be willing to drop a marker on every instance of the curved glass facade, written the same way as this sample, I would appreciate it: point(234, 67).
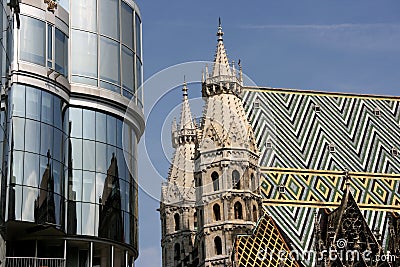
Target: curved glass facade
point(101, 189)
point(43, 44)
point(37, 124)
point(106, 36)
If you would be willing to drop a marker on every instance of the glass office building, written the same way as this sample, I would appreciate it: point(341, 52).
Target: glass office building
point(71, 117)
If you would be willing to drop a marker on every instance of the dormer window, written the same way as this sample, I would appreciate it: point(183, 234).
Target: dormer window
point(256, 104)
point(331, 148)
point(282, 189)
point(394, 152)
point(317, 108)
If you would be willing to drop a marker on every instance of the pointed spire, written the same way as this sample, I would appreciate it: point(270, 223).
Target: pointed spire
point(186, 115)
point(221, 63)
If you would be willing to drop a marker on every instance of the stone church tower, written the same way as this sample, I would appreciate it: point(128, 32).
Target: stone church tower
point(226, 164)
point(177, 208)
point(212, 192)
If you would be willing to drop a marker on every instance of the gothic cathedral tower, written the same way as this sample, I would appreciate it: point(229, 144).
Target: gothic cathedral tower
point(177, 207)
point(212, 191)
point(226, 164)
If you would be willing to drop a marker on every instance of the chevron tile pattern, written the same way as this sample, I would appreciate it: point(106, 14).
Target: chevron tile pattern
point(307, 139)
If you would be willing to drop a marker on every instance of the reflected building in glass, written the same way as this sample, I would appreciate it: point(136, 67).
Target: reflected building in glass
point(71, 117)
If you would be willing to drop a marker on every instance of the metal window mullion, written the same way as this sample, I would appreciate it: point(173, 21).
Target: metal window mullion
point(120, 45)
point(98, 41)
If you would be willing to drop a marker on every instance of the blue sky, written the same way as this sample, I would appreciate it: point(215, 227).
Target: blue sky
point(343, 46)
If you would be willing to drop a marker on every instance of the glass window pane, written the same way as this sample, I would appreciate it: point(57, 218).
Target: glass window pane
point(101, 127)
point(17, 167)
point(29, 199)
point(111, 130)
point(47, 107)
point(18, 133)
point(33, 36)
point(89, 119)
point(109, 60)
point(44, 171)
point(31, 171)
point(76, 153)
point(57, 112)
point(139, 90)
point(100, 193)
point(75, 116)
point(138, 37)
point(88, 218)
point(57, 174)
point(33, 102)
point(121, 164)
point(109, 18)
point(84, 57)
point(61, 52)
point(18, 100)
point(57, 149)
point(127, 25)
point(83, 15)
point(119, 133)
point(32, 140)
point(101, 157)
point(88, 187)
point(50, 46)
point(46, 144)
point(127, 69)
point(111, 155)
point(89, 155)
point(15, 205)
point(76, 190)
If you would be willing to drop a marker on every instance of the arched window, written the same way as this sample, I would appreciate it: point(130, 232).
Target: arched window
point(255, 216)
point(215, 180)
point(238, 211)
point(176, 219)
point(218, 245)
point(177, 251)
point(235, 180)
point(217, 212)
point(253, 182)
point(195, 220)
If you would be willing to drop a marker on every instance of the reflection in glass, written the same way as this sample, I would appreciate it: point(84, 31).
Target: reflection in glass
point(33, 103)
point(127, 25)
point(139, 93)
point(111, 130)
point(57, 177)
point(15, 202)
point(32, 137)
point(32, 40)
point(101, 157)
point(88, 187)
point(89, 119)
point(101, 126)
point(109, 59)
point(49, 46)
point(17, 167)
point(61, 53)
point(76, 152)
point(47, 108)
point(57, 145)
point(30, 194)
point(110, 217)
point(18, 100)
point(89, 155)
point(58, 113)
point(75, 115)
point(31, 173)
point(46, 143)
point(119, 133)
point(83, 15)
point(138, 37)
point(18, 133)
point(76, 190)
point(45, 207)
point(128, 76)
point(88, 218)
point(109, 18)
point(84, 58)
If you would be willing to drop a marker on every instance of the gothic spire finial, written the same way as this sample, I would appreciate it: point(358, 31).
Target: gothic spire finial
point(184, 88)
point(220, 33)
